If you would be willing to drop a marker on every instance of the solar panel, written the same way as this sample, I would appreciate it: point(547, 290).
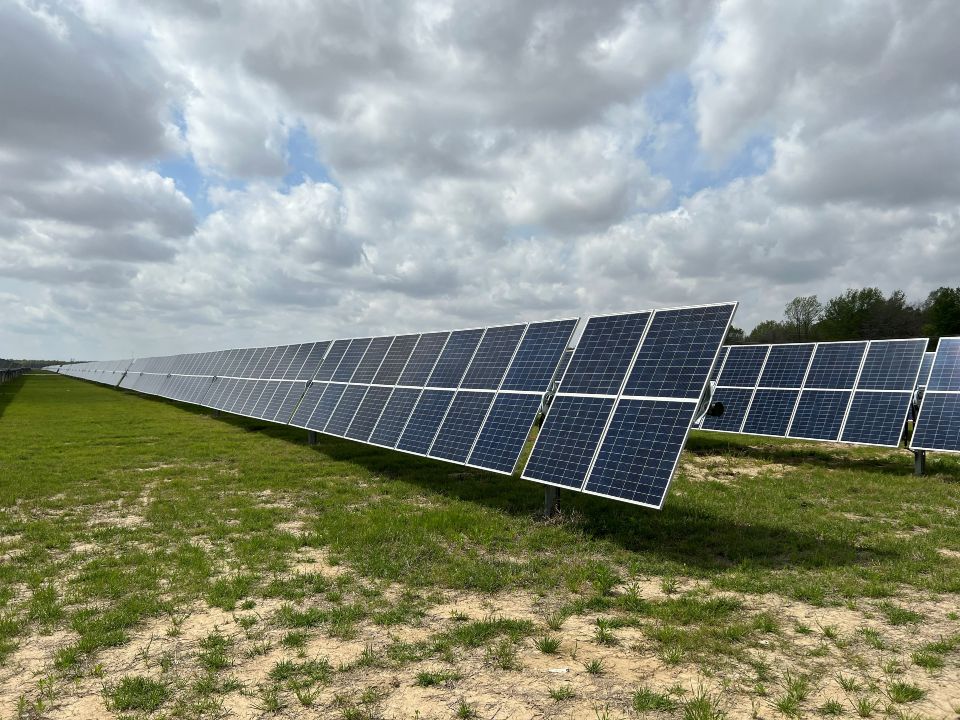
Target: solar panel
point(743, 365)
point(655, 366)
point(938, 422)
point(786, 366)
point(395, 415)
point(819, 414)
point(372, 359)
point(424, 421)
point(454, 359)
point(342, 415)
point(718, 365)
point(536, 360)
point(461, 426)
point(492, 357)
point(325, 407)
point(351, 359)
point(892, 365)
point(332, 360)
point(369, 413)
point(505, 432)
point(876, 418)
point(770, 412)
point(424, 357)
point(396, 359)
point(925, 367)
point(735, 402)
point(604, 353)
point(835, 365)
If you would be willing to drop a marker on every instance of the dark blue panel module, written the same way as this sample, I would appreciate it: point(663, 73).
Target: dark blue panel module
point(892, 365)
point(538, 356)
point(351, 359)
point(938, 426)
point(505, 432)
point(455, 358)
point(461, 426)
point(603, 355)
point(315, 356)
point(282, 360)
point(742, 366)
point(268, 364)
point(492, 357)
point(290, 403)
point(678, 351)
point(395, 416)
point(946, 366)
point(424, 357)
point(786, 366)
point(568, 440)
point(261, 405)
point(819, 414)
point(328, 403)
point(369, 413)
point(770, 412)
point(735, 402)
point(715, 372)
point(640, 450)
point(425, 420)
point(925, 369)
point(272, 410)
point(396, 359)
point(309, 403)
point(332, 360)
point(347, 407)
point(877, 418)
point(835, 365)
point(372, 359)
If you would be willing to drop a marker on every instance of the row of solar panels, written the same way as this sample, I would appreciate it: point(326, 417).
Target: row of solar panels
point(616, 428)
point(11, 373)
point(851, 392)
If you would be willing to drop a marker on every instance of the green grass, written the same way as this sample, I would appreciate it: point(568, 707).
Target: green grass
point(136, 693)
point(144, 509)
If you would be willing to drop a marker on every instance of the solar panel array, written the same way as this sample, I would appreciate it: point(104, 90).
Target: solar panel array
point(466, 396)
point(107, 372)
point(938, 423)
point(10, 373)
point(626, 402)
point(853, 392)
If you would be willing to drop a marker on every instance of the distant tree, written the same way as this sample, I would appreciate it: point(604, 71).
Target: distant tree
point(802, 313)
point(770, 331)
point(941, 313)
point(735, 336)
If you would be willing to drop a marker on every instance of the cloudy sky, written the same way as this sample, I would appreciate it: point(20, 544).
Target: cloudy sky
point(191, 174)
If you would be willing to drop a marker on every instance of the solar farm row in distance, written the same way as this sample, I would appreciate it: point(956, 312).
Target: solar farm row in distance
point(938, 423)
point(625, 404)
point(852, 392)
point(465, 396)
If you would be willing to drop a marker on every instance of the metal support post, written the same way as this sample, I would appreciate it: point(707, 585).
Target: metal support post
point(311, 437)
point(551, 496)
point(216, 413)
point(919, 462)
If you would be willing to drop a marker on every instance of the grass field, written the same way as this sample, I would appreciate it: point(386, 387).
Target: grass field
point(158, 562)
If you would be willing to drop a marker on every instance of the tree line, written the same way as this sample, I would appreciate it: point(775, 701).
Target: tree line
point(860, 314)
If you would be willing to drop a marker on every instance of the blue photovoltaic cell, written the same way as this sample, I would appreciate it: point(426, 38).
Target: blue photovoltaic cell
point(272, 409)
point(395, 416)
point(333, 358)
point(819, 414)
point(505, 432)
point(312, 363)
point(326, 406)
point(719, 363)
point(460, 427)
point(492, 357)
point(293, 363)
point(396, 359)
point(770, 412)
point(925, 368)
point(290, 403)
point(351, 359)
point(568, 440)
point(368, 413)
point(938, 426)
point(455, 358)
point(537, 357)
point(892, 365)
point(678, 351)
point(640, 449)
point(347, 407)
point(268, 390)
point(835, 365)
point(786, 365)
point(424, 421)
point(735, 402)
point(368, 367)
point(281, 361)
point(946, 366)
point(742, 366)
point(423, 359)
point(877, 418)
point(603, 355)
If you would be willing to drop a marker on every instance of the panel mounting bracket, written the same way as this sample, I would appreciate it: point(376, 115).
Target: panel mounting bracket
point(919, 462)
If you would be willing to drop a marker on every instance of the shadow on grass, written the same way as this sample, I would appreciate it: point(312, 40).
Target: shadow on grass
point(7, 392)
point(680, 533)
